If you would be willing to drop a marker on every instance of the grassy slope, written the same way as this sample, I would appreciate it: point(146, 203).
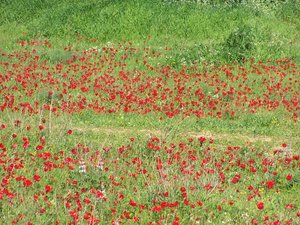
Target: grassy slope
point(195, 30)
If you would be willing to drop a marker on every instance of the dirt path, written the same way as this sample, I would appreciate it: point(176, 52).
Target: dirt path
point(274, 143)
point(207, 134)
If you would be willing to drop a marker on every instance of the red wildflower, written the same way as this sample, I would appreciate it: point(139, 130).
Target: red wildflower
point(48, 188)
point(260, 205)
point(200, 203)
point(289, 177)
point(284, 145)
point(132, 203)
point(236, 178)
point(289, 206)
point(270, 184)
point(202, 139)
point(39, 147)
point(156, 208)
point(37, 177)
point(186, 202)
point(27, 183)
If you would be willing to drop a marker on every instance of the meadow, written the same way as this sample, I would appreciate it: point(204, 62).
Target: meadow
point(149, 112)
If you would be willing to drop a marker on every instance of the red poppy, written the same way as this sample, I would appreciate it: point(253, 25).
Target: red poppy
point(27, 183)
point(48, 188)
point(132, 203)
point(260, 205)
point(37, 177)
point(289, 177)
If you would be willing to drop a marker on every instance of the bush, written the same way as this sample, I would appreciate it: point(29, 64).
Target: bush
point(240, 44)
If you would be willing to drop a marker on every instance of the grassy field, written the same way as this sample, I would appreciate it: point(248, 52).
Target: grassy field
point(207, 32)
point(149, 112)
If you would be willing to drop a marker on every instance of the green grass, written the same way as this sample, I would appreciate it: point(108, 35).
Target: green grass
point(196, 31)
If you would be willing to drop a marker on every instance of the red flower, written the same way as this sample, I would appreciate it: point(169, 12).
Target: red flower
point(156, 208)
point(200, 203)
point(132, 203)
point(289, 177)
point(270, 184)
point(39, 147)
point(266, 218)
point(236, 178)
point(186, 202)
point(27, 183)
point(289, 206)
point(260, 205)
point(48, 188)
point(37, 177)
point(74, 151)
point(202, 139)
point(70, 132)
point(284, 145)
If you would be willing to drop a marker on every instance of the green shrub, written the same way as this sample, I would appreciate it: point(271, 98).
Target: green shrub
point(240, 44)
